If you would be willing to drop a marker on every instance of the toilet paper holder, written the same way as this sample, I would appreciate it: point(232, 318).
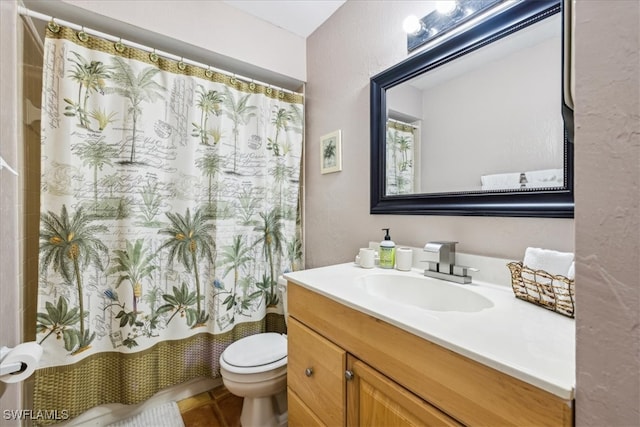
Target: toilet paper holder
point(9, 368)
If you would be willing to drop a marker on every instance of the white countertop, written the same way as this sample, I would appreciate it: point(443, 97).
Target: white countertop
point(518, 338)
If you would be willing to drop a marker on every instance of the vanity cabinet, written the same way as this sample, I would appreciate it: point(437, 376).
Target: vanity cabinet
point(346, 367)
point(327, 386)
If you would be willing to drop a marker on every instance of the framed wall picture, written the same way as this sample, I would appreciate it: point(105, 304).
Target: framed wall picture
point(331, 152)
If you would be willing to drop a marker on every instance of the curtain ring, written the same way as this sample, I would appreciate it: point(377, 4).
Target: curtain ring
point(53, 26)
point(83, 36)
point(208, 72)
point(281, 94)
point(269, 90)
point(153, 56)
point(233, 80)
point(252, 86)
point(119, 46)
point(182, 65)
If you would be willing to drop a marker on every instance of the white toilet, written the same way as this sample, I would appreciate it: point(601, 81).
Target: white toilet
point(255, 367)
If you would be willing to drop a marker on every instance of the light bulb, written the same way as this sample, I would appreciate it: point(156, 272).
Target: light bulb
point(411, 24)
point(446, 6)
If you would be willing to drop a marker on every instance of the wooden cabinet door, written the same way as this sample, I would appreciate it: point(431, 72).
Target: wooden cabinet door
point(375, 400)
point(315, 373)
point(299, 413)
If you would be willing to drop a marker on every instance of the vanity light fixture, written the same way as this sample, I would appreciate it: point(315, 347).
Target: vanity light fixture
point(446, 7)
point(449, 17)
point(412, 25)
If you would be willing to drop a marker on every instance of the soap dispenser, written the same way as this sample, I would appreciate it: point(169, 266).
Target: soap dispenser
point(387, 251)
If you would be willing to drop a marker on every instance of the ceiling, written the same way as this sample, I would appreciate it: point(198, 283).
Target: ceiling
point(300, 17)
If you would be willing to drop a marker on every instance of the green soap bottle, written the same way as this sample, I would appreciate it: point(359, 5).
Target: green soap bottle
point(387, 251)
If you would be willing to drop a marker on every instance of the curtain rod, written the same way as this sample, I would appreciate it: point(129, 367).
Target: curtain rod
point(41, 16)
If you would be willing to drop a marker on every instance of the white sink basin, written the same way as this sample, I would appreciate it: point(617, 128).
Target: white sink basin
point(423, 292)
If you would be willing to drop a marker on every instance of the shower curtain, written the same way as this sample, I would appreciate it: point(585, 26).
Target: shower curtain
point(400, 156)
point(170, 204)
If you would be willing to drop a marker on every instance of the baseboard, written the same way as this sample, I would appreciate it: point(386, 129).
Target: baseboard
point(106, 414)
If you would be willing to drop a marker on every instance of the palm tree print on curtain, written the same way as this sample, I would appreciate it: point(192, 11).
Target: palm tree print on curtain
point(136, 88)
point(400, 154)
point(154, 232)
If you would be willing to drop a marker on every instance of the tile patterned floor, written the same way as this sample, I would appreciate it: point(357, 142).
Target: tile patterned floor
point(215, 408)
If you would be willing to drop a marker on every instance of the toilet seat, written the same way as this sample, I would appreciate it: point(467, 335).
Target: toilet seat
point(255, 353)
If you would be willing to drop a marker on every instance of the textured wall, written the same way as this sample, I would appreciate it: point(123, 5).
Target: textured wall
point(607, 226)
point(360, 40)
point(10, 200)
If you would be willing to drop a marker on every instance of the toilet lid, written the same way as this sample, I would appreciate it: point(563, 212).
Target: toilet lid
point(256, 350)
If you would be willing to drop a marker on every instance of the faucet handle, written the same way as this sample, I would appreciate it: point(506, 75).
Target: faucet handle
point(461, 270)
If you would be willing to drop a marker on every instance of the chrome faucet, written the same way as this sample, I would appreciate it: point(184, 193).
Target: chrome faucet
point(445, 267)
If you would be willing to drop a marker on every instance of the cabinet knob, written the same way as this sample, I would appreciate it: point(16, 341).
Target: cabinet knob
point(349, 375)
point(308, 372)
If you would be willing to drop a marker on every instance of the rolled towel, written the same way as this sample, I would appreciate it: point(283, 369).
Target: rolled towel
point(553, 262)
point(500, 181)
point(572, 271)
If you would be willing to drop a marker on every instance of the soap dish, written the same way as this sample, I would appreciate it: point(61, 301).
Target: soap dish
point(556, 293)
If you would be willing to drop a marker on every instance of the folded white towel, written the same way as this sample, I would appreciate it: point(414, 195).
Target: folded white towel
point(553, 262)
point(545, 175)
point(545, 178)
point(534, 179)
point(500, 181)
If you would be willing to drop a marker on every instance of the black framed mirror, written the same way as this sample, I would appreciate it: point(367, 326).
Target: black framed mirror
point(444, 141)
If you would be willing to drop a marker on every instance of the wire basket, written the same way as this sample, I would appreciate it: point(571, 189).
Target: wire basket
point(555, 293)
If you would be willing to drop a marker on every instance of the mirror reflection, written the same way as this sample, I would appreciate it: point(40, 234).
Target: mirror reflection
point(489, 120)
